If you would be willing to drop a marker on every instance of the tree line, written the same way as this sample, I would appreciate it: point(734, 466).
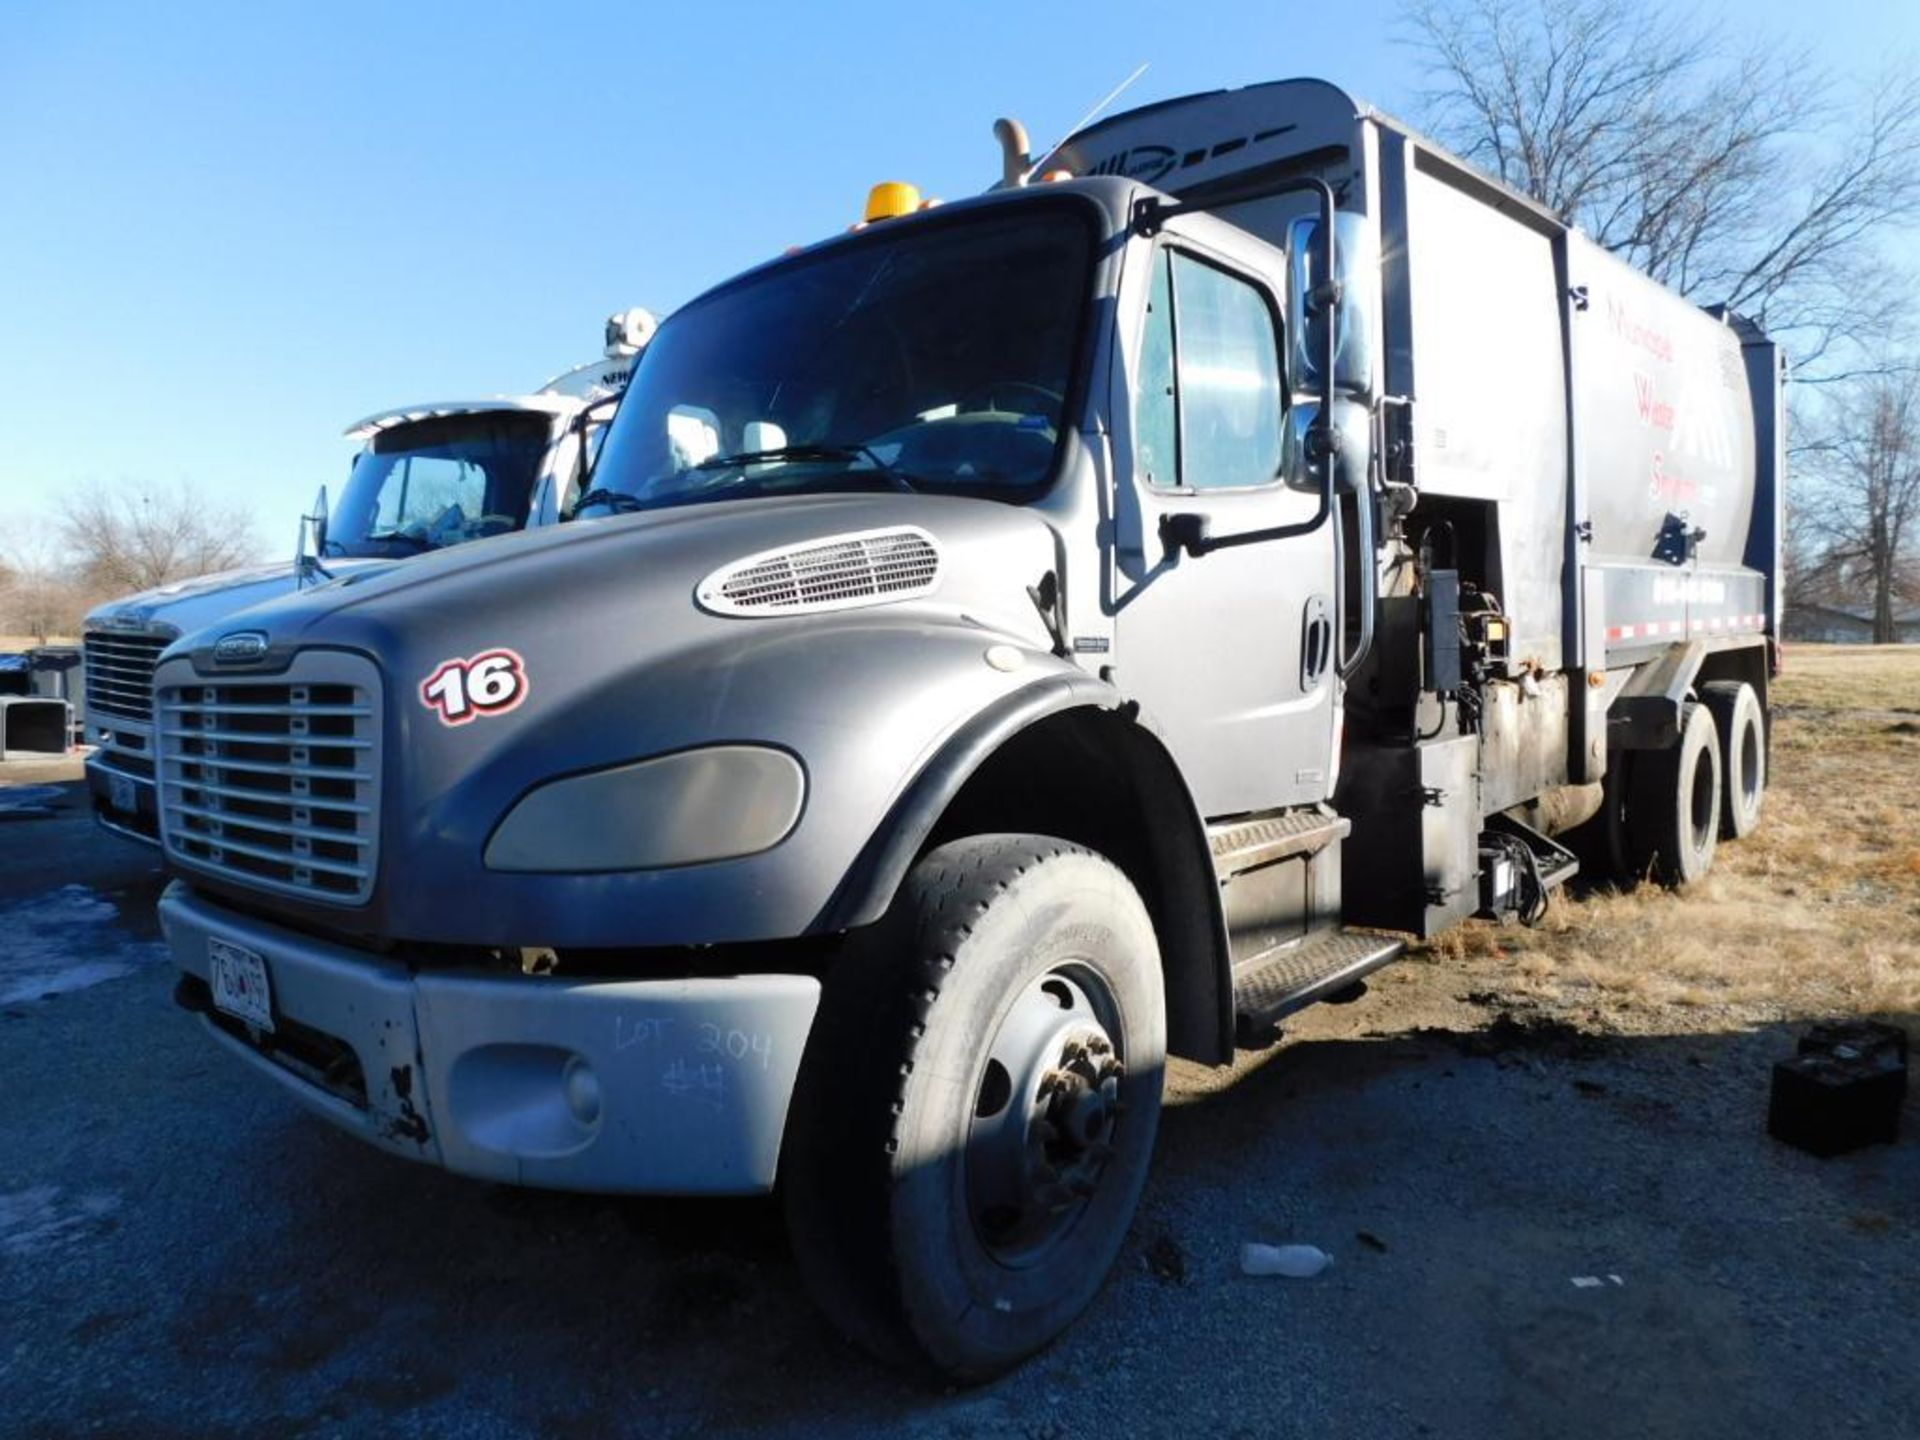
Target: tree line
point(108, 542)
point(1740, 173)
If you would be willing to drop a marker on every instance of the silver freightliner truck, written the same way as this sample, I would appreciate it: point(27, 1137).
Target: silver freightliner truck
point(428, 476)
point(1024, 639)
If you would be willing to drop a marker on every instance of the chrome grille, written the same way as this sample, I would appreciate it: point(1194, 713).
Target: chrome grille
point(119, 671)
point(834, 574)
point(274, 781)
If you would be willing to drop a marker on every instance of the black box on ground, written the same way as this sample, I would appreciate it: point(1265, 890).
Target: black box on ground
point(1862, 1037)
point(1842, 1091)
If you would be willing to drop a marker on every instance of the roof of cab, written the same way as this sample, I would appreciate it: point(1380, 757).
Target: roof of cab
point(436, 409)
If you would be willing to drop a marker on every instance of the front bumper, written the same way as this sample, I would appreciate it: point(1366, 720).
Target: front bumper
point(635, 1086)
point(123, 802)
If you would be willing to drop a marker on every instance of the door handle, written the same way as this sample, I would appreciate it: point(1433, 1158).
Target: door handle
point(1316, 641)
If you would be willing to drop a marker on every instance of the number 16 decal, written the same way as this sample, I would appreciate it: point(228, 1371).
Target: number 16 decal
point(491, 683)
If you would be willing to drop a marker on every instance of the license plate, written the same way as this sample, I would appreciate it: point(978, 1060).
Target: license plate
point(120, 794)
point(240, 985)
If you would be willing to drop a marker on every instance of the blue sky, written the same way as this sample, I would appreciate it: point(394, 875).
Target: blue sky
point(228, 231)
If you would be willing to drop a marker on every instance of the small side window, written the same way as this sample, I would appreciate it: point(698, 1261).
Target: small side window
point(1155, 420)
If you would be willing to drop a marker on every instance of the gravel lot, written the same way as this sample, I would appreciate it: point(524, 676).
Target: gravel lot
point(182, 1252)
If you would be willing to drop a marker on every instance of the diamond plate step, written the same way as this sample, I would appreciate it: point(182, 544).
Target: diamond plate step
point(1269, 987)
point(1243, 844)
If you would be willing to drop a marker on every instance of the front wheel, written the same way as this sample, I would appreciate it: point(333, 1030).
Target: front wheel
point(977, 1106)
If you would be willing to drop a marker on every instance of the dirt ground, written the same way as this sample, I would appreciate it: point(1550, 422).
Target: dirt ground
point(1538, 1158)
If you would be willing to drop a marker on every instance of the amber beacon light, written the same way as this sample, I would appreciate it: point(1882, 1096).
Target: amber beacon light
point(891, 199)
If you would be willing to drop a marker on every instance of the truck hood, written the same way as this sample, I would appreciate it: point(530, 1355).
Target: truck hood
point(614, 659)
point(637, 573)
point(184, 606)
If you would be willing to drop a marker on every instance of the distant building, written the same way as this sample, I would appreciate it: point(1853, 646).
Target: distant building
point(1835, 625)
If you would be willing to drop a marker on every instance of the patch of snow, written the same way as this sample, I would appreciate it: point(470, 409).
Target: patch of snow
point(63, 941)
point(38, 1217)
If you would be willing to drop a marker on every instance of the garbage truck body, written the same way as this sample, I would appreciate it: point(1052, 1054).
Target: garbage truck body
point(1019, 641)
point(428, 476)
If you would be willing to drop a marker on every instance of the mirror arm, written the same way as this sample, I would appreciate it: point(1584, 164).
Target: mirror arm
point(581, 468)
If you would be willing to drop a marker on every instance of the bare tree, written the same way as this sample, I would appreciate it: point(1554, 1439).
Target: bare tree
point(1863, 513)
point(39, 595)
point(126, 540)
point(1738, 175)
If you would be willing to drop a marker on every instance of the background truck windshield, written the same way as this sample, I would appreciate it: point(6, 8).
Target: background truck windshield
point(935, 355)
point(431, 483)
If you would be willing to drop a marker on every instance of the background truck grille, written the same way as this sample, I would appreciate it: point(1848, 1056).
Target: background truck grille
point(119, 670)
point(274, 782)
point(831, 574)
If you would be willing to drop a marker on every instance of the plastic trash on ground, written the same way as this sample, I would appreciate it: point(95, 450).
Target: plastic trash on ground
point(1296, 1262)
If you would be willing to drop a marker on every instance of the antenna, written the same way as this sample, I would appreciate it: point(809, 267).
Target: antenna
point(1085, 120)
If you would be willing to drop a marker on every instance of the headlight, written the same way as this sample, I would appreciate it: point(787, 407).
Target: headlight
point(716, 803)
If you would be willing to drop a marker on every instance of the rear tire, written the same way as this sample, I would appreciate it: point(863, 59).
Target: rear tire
point(1742, 727)
point(1600, 842)
point(1673, 815)
point(976, 1109)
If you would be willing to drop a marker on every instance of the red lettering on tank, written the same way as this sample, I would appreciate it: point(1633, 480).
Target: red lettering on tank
point(1638, 333)
point(1668, 486)
point(1653, 410)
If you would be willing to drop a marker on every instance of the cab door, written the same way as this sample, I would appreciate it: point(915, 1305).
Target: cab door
point(1230, 654)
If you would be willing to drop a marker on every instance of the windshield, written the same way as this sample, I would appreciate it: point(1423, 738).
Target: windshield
point(933, 357)
point(432, 483)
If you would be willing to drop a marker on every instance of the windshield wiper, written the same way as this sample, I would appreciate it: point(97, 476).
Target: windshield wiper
point(823, 450)
point(618, 501)
point(387, 536)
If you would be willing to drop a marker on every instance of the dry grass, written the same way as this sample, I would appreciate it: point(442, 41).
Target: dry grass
point(1851, 677)
point(1817, 914)
point(13, 644)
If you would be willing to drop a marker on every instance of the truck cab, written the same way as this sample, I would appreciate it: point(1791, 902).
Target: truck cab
point(1013, 643)
point(427, 477)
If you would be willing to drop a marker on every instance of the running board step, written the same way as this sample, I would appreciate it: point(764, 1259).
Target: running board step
point(1242, 845)
point(1269, 987)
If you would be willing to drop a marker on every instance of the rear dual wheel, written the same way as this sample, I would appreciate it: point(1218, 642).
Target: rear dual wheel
point(1741, 726)
point(1601, 842)
point(977, 1105)
point(1673, 805)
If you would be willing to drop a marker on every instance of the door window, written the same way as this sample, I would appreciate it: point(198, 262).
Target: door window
point(1209, 407)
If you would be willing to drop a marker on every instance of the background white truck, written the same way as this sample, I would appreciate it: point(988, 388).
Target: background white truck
point(428, 476)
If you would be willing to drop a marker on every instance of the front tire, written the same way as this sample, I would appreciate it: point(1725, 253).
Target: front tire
point(977, 1106)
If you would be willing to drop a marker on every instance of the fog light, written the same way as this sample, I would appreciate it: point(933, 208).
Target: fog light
point(583, 1091)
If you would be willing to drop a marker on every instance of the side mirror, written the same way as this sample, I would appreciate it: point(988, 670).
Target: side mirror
point(1355, 280)
point(313, 531)
point(1352, 437)
point(318, 520)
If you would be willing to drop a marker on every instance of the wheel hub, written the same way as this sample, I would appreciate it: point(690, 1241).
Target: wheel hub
point(1044, 1119)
